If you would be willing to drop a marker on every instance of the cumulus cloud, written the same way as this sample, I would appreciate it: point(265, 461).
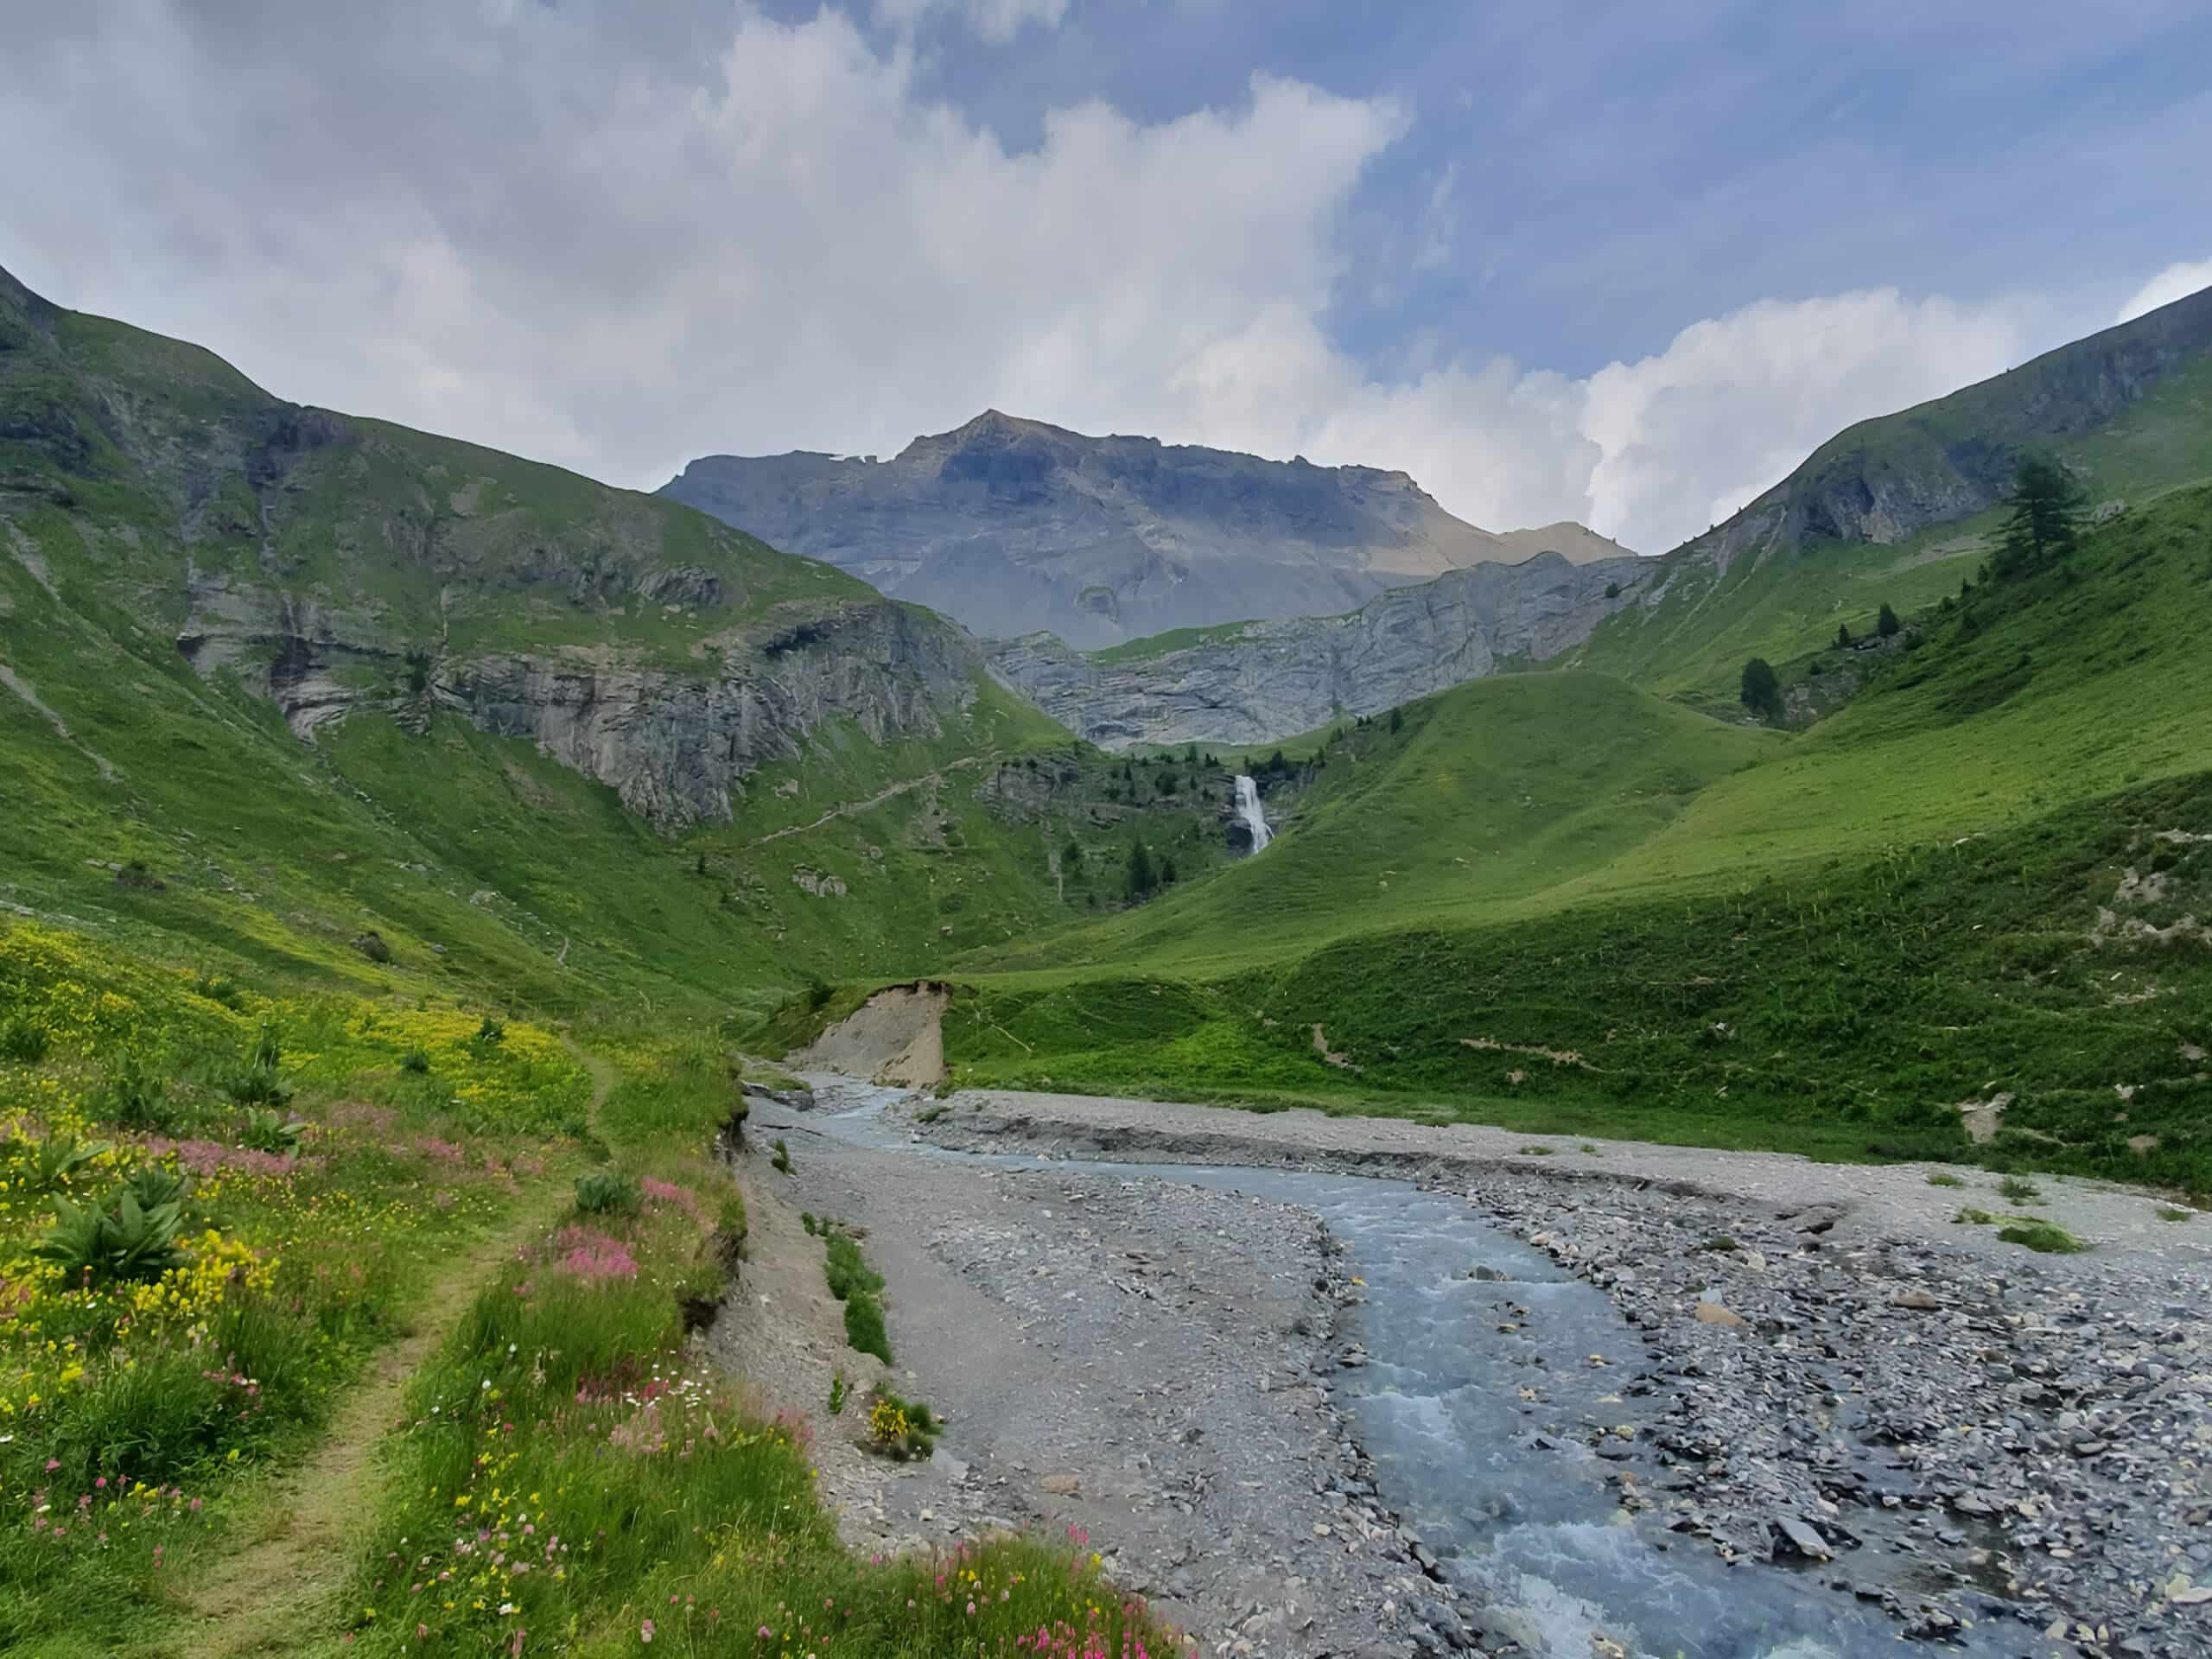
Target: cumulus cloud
point(616, 238)
point(2176, 281)
point(1690, 435)
point(997, 20)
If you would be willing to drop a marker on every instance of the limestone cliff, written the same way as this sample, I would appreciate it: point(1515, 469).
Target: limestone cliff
point(1259, 681)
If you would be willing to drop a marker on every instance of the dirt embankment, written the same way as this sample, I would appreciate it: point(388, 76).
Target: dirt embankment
point(896, 1037)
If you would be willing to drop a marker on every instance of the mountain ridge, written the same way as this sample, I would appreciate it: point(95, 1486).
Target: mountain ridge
point(1011, 526)
point(1827, 544)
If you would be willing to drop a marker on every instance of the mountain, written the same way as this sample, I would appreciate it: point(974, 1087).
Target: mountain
point(274, 679)
point(1013, 526)
point(1255, 683)
point(1890, 511)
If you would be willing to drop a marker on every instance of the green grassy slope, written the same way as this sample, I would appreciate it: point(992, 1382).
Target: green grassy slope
point(1988, 872)
point(157, 510)
point(2128, 411)
point(1494, 792)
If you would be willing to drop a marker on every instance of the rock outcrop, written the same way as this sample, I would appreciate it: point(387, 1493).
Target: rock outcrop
point(1013, 526)
point(1268, 680)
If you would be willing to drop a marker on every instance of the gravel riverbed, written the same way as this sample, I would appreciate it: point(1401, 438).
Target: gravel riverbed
point(1827, 1372)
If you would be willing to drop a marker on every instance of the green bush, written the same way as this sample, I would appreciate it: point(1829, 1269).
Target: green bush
point(416, 1060)
point(136, 1098)
point(58, 1159)
point(154, 1185)
point(2018, 1190)
point(1942, 1178)
point(781, 1160)
point(272, 1132)
point(23, 1041)
point(95, 1244)
point(848, 1272)
point(1971, 1217)
point(607, 1191)
point(2043, 1237)
point(864, 1329)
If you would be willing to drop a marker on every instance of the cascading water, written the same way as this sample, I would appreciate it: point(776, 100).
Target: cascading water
point(1248, 808)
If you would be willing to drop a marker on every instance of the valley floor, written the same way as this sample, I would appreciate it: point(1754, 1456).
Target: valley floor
point(1941, 1430)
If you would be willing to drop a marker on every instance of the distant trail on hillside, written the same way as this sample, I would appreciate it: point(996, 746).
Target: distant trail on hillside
point(850, 807)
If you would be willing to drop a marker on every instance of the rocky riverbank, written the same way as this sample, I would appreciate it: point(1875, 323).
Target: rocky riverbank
point(1833, 1373)
point(1140, 1362)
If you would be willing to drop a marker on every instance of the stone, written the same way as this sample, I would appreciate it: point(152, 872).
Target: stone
point(1714, 1313)
point(1798, 1537)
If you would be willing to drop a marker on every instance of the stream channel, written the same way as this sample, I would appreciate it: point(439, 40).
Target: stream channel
point(1526, 1525)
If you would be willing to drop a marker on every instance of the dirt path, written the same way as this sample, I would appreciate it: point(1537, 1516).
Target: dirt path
point(893, 793)
point(281, 1582)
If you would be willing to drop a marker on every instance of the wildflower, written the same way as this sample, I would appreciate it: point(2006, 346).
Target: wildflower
point(645, 1631)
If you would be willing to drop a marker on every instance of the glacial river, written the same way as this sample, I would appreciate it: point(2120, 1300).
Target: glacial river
point(1532, 1530)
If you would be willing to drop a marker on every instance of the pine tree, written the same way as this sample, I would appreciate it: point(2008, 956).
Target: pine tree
point(1192, 758)
point(1397, 719)
point(1843, 636)
point(1887, 623)
point(1141, 880)
point(2045, 521)
point(1761, 691)
point(1167, 872)
point(1071, 859)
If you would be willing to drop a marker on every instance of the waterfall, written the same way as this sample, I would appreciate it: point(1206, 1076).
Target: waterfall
point(1248, 808)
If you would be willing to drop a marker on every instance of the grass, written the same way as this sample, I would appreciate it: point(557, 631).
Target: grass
point(296, 1267)
point(1971, 1217)
point(1943, 1178)
point(2168, 1212)
point(858, 1286)
point(2042, 1237)
point(2018, 1190)
point(1844, 1012)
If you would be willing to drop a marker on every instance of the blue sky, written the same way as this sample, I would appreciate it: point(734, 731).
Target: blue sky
point(1613, 172)
point(1621, 263)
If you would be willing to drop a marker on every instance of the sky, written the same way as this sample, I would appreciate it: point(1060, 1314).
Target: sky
point(1620, 263)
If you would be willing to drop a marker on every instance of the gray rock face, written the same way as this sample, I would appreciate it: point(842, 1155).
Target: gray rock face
point(1013, 526)
point(674, 746)
point(1267, 681)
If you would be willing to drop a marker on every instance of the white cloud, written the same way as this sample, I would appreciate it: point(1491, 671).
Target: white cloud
point(995, 21)
point(535, 230)
point(1690, 435)
point(2176, 281)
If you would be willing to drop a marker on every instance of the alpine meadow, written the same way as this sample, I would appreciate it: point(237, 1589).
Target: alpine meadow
point(1018, 1040)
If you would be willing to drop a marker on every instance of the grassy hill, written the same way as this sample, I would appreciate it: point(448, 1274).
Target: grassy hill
point(1988, 873)
point(296, 693)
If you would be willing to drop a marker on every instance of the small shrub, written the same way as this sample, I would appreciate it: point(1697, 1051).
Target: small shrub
point(806, 1220)
point(416, 1060)
point(1942, 1178)
point(2043, 1237)
point(23, 1041)
point(1535, 1152)
point(1973, 1217)
point(95, 1245)
point(154, 1185)
point(1720, 1242)
point(1588, 1147)
point(607, 1192)
point(864, 1329)
point(59, 1158)
point(2168, 1213)
point(271, 1131)
point(849, 1274)
point(135, 1098)
point(2019, 1191)
point(489, 1035)
point(218, 988)
point(837, 1394)
point(781, 1160)
point(901, 1429)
